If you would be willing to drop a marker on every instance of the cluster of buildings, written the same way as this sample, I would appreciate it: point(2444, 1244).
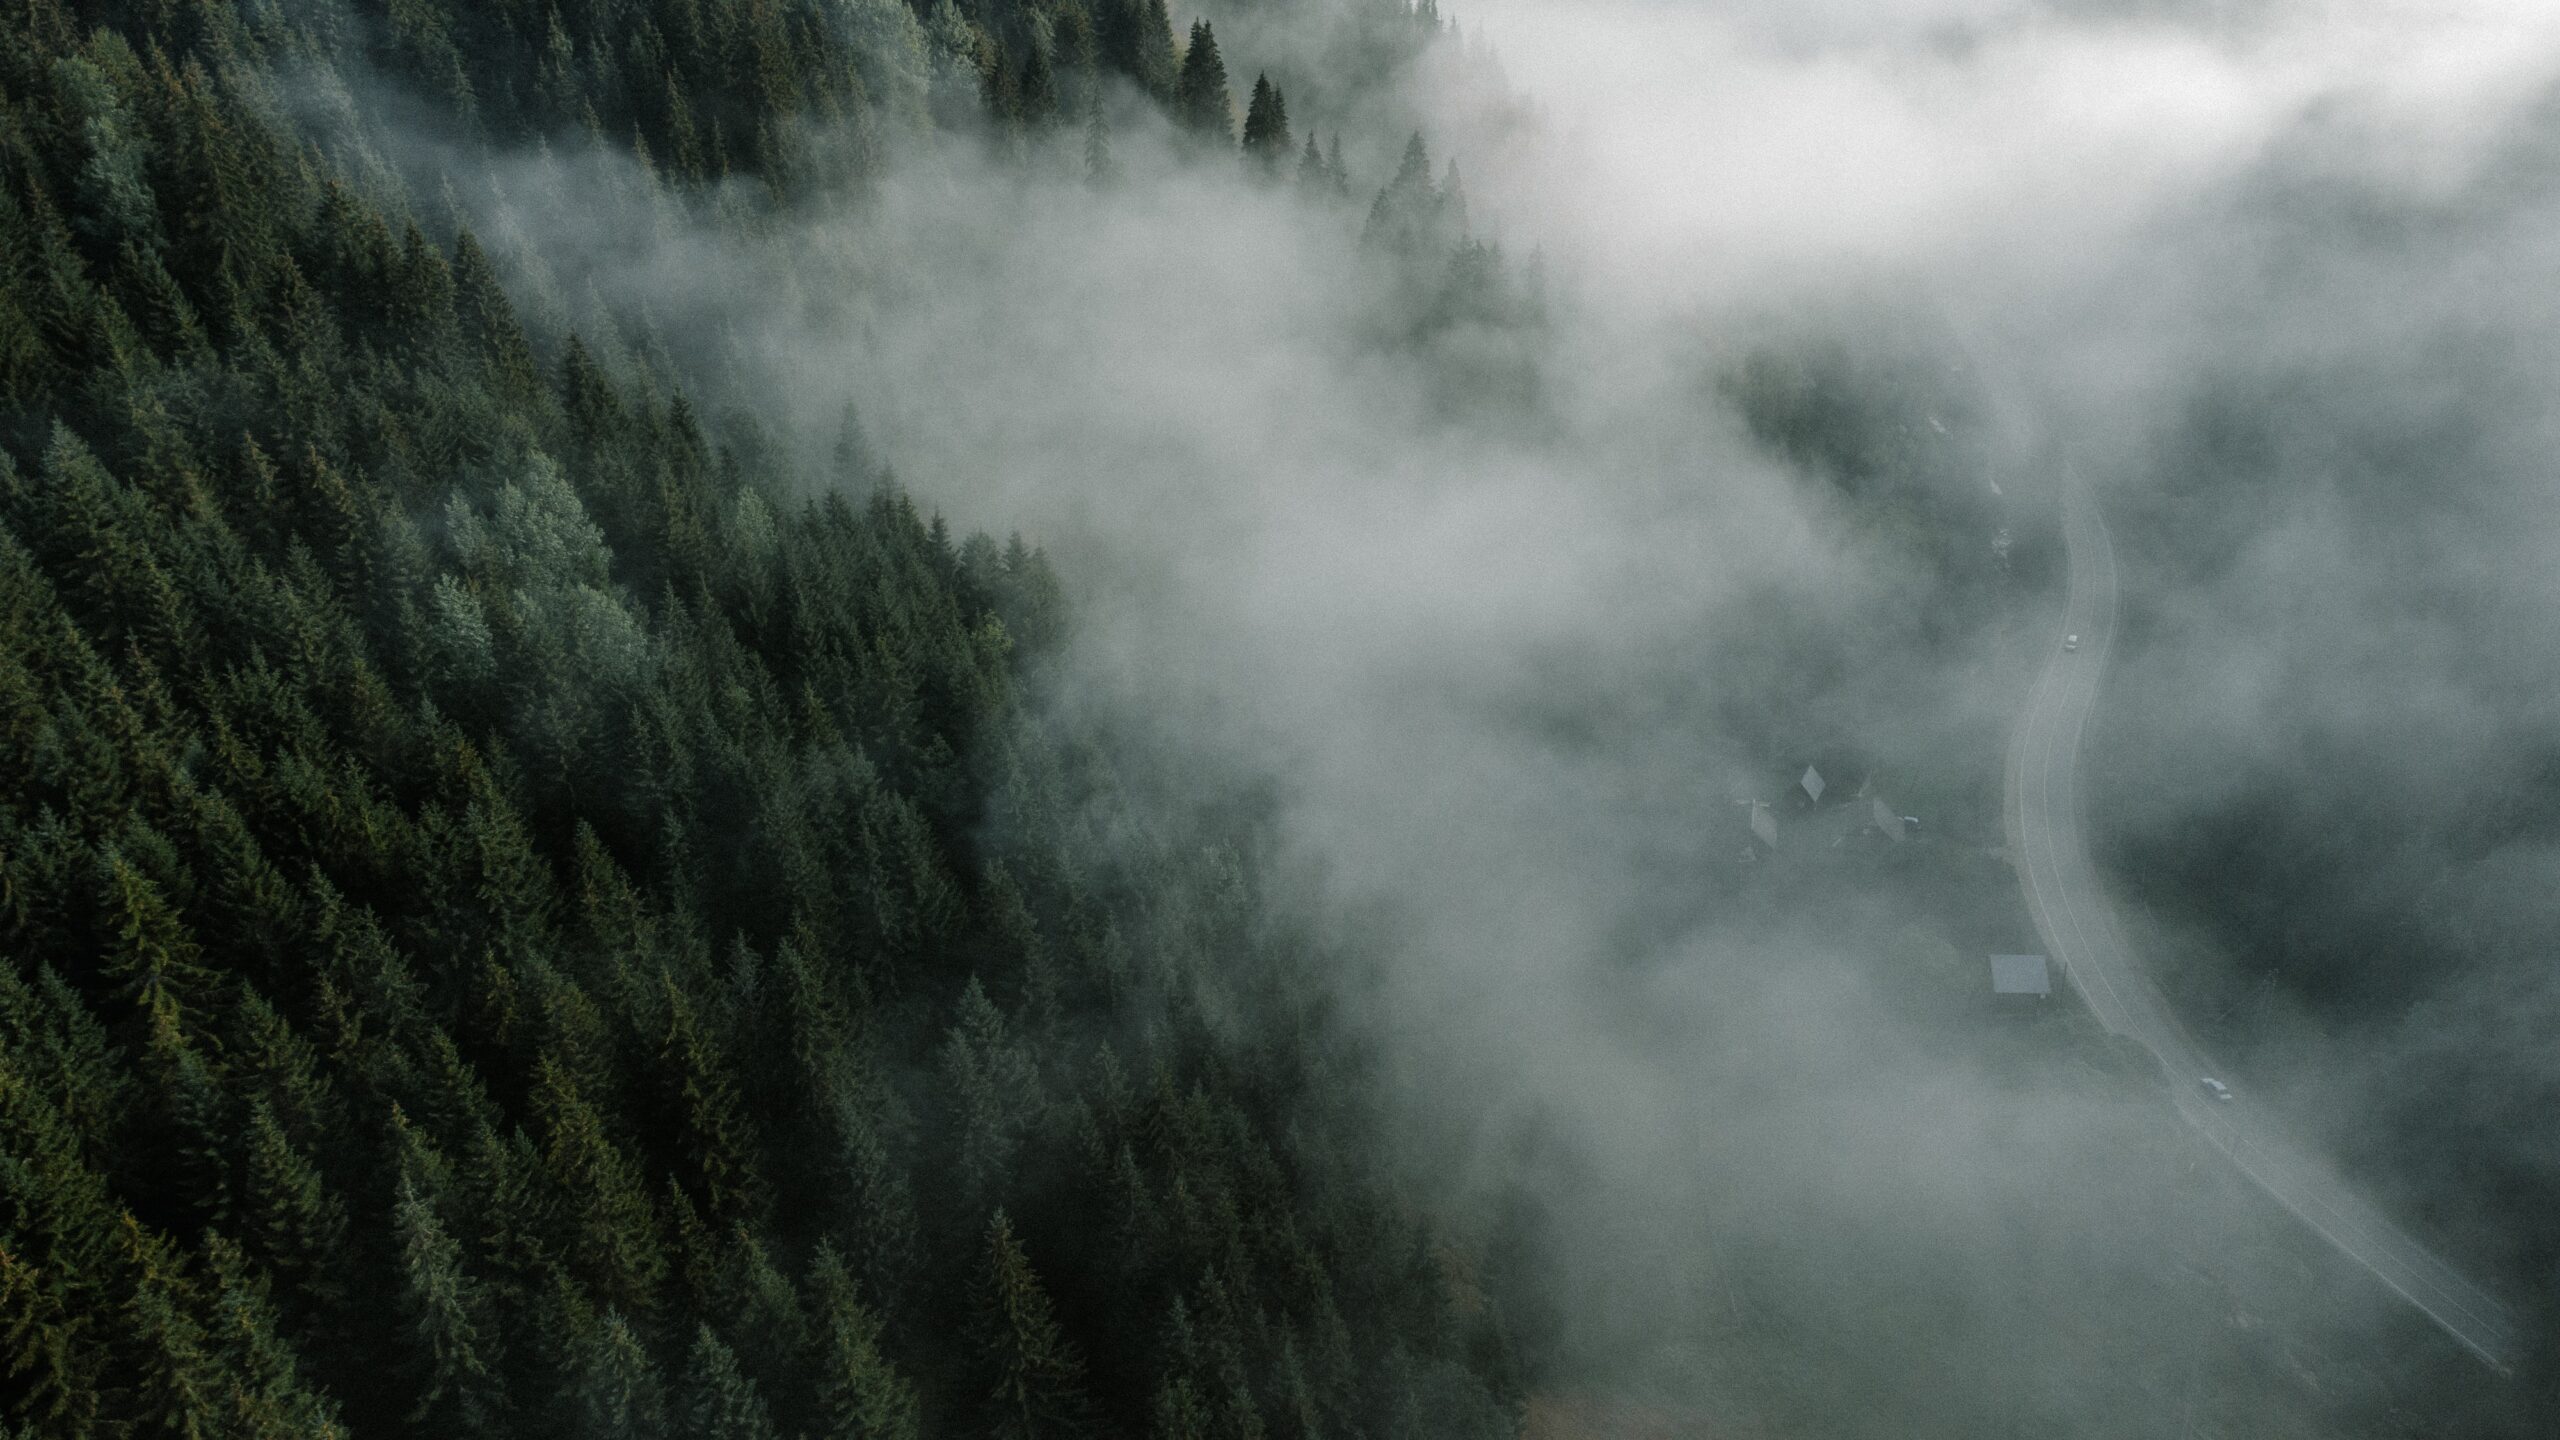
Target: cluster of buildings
point(1800, 823)
point(1811, 820)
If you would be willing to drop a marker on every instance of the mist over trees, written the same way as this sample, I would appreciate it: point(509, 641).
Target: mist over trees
point(790, 718)
point(531, 910)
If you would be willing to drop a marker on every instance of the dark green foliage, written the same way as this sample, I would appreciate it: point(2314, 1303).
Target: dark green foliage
point(1034, 1380)
point(1201, 101)
point(1266, 128)
point(1036, 94)
point(448, 1332)
point(720, 1401)
point(520, 920)
point(856, 1389)
point(1136, 40)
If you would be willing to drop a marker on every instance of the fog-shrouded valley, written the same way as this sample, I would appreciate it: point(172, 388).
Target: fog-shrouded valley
point(1286, 718)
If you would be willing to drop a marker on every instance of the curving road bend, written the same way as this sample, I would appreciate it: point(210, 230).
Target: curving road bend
point(2078, 923)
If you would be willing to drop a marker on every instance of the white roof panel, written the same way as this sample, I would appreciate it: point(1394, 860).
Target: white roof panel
point(2020, 975)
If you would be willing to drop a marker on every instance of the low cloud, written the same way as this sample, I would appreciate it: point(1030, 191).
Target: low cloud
point(1510, 658)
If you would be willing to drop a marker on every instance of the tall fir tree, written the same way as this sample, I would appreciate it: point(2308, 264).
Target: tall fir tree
point(720, 1401)
point(1266, 128)
point(1034, 1379)
point(1201, 102)
point(1136, 39)
point(1315, 178)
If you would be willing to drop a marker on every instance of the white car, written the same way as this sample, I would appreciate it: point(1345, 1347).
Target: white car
point(2070, 642)
point(2215, 1088)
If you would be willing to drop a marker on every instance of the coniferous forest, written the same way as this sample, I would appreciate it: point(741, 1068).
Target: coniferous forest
point(531, 911)
point(891, 719)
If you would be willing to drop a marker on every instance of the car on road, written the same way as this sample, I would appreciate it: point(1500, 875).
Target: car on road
point(2070, 642)
point(2214, 1088)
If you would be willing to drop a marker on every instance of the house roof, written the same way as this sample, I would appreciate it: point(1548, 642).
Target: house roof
point(2020, 975)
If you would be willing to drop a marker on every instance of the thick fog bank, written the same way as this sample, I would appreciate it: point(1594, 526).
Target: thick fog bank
point(1518, 618)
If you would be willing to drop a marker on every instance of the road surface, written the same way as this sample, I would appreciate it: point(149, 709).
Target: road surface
point(2080, 931)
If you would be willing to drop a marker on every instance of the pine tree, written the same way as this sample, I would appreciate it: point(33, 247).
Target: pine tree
point(1179, 1414)
point(1078, 57)
point(54, 1039)
point(1407, 218)
point(755, 1301)
point(859, 1393)
point(267, 1397)
point(1314, 177)
point(718, 1144)
point(993, 1088)
point(288, 1219)
point(1036, 94)
point(51, 1372)
point(1201, 102)
point(445, 1315)
point(616, 1227)
point(1035, 1382)
point(1099, 168)
point(173, 1378)
point(1137, 40)
point(883, 1228)
point(489, 323)
point(59, 1263)
point(720, 1402)
point(614, 1392)
point(1266, 128)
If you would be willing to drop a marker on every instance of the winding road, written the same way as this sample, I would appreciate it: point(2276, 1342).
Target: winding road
point(2078, 922)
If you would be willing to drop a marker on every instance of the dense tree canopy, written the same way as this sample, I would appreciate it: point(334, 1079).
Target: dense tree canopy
point(528, 915)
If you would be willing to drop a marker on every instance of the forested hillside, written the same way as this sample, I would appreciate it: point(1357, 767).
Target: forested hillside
point(526, 912)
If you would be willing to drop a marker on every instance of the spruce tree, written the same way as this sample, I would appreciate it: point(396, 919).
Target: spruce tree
point(618, 1245)
point(1453, 200)
point(720, 1402)
point(1077, 58)
point(1407, 217)
point(1099, 168)
point(1266, 128)
point(1034, 1380)
point(614, 1390)
point(444, 1311)
point(1136, 39)
point(859, 1392)
point(289, 1220)
point(1036, 94)
point(1201, 103)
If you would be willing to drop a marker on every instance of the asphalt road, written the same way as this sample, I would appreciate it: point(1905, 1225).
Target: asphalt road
point(2080, 930)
